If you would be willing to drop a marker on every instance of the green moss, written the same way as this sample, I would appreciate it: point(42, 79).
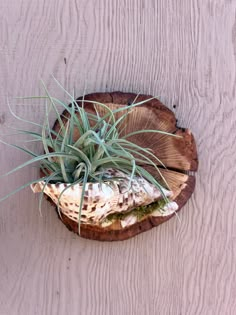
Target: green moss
point(139, 212)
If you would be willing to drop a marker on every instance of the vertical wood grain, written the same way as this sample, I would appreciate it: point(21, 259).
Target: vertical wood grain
point(184, 52)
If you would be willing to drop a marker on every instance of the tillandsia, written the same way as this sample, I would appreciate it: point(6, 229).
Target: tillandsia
point(98, 174)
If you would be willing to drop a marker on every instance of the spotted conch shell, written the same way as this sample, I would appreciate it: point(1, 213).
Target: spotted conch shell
point(102, 199)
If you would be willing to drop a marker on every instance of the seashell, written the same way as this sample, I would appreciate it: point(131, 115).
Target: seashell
point(102, 199)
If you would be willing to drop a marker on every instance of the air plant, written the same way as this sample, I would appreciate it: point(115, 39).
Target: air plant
point(102, 153)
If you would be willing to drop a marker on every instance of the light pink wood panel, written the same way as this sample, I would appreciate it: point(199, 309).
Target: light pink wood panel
point(184, 51)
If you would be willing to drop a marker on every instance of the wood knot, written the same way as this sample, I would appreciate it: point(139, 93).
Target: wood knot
point(2, 119)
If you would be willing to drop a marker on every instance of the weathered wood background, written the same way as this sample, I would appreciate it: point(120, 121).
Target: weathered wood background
point(184, 51)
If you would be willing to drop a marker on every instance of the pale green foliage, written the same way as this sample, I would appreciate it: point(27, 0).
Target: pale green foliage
point(98, 148)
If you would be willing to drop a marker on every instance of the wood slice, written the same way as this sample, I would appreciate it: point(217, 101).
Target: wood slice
point(179, 155)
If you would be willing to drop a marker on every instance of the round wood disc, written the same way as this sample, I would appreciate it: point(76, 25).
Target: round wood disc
point(179, 155)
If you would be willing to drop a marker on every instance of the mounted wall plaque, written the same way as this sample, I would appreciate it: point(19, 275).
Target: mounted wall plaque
point(114, 164)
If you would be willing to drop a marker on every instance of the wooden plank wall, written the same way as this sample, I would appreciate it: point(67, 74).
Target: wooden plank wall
point(184, 51)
